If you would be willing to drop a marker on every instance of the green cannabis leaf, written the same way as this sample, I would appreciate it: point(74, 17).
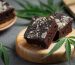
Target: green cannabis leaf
point(68, 49)
point(50, 2)
point(4, 55)
point(72, 37)
point(29, 10)
point(68, 41)
point(22, 5)
point(57, 46)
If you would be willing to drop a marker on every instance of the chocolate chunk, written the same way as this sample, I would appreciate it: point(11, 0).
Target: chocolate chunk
point(42, 31)
point(64, 23)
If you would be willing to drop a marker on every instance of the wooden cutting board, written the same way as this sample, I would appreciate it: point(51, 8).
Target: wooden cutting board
point(8, 23)
point(70, 5)
point(35, 54)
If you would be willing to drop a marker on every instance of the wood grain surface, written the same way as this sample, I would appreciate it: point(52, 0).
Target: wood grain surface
point(70, 5)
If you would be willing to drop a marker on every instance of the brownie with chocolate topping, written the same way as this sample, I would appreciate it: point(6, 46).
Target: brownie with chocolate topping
point(64, 23)
point(6, 11)
point(42, 31)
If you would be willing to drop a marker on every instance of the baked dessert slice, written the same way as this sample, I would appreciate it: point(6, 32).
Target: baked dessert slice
point(64, 23)
point(6, 11)
point(42, 31)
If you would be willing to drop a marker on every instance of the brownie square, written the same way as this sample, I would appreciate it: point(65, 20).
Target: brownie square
point(64, 23)
point(42, 31)
point(6, 11)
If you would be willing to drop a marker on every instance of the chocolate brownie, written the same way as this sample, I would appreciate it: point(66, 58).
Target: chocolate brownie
point(6, 11)
point(41, 32)
point(64, 23)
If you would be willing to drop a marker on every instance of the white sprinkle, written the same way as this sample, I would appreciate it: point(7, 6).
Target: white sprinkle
point(52, 17)
point(2, 6)
point(57, 21)
point(44, 35)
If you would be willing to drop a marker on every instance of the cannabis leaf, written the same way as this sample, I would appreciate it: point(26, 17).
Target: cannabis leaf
point(21, 4)
point(68, 49)
point(68, 41)
point(29, 10)
point(57, 46)
point(73, 37)
point(50, 2)
point(4, 55)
